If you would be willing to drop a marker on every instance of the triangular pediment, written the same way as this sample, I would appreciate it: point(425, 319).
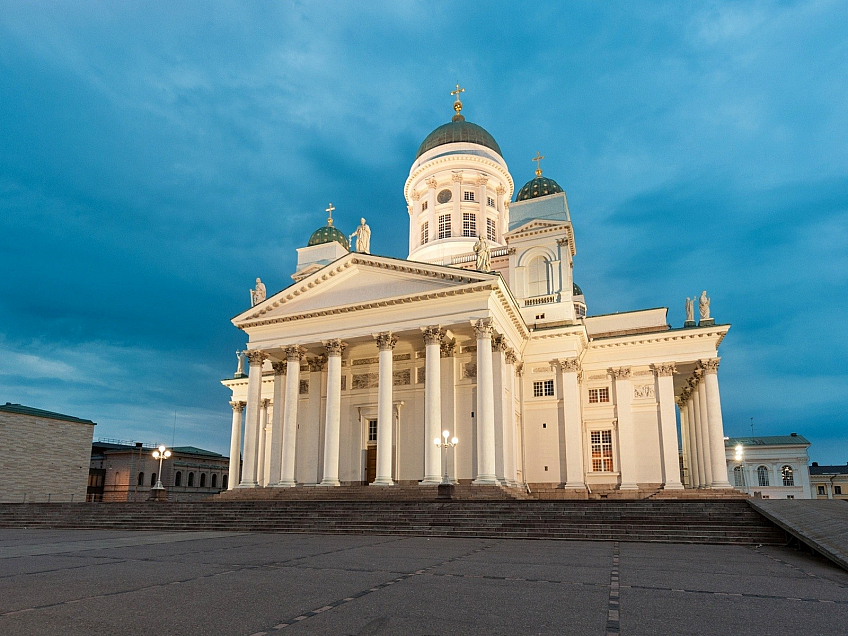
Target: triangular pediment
point(535, 225)
point(358, 279)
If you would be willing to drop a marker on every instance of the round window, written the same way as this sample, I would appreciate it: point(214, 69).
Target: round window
point(444, 196)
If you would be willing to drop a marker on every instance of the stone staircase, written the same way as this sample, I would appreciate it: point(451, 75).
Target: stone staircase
point(718, 521)
point(417, 492)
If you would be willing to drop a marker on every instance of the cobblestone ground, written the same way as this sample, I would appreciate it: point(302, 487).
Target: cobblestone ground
point(103, 582)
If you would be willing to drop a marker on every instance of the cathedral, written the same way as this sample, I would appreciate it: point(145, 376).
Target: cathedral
point(475, 359)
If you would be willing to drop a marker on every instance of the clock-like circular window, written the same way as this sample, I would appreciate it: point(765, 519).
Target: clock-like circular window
point(444, 196)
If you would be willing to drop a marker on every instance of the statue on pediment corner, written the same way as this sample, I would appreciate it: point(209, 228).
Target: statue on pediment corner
point(258, 293)
point(363, 237)
point(704, 306)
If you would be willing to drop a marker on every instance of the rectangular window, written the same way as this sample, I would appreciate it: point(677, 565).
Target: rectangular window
point(601, 451)
point(372, 430)
point(543, 388)
point(469, 224)
point(444, 226)
point(424, 205)
point(468, 195)
point(837, 490)
point(490, 202)
point(491, 230)
point(425, 232)
point(821, 490)
point(598, 395)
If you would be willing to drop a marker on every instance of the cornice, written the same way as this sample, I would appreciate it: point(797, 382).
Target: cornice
point(569, 331)
point(429, 165)
point(663, 336)
point(549, 229)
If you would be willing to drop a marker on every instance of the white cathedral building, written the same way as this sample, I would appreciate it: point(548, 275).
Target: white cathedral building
point(359, 366)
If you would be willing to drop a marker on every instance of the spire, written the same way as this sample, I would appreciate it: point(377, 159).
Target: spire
point(457, 105)
point(329, 211)
point(538, 159)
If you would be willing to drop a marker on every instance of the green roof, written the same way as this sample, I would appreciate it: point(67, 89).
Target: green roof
point(50, 415)
point(328, 234)
point(458, 131)
point(775, 440)
point(193, 450)
point(538, 187)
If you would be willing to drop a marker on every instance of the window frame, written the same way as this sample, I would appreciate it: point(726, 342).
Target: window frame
point(787, 476)
point(605, 449)
point(469, 196)
point(469, 224)
point(491, 229)
point(543, 388)
point(444, 226)
point(601, 395)
point(763, 476)
point(425, 232)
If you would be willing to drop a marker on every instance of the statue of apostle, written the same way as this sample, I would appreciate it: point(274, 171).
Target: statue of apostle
point(481, 249)
point(363, 237)
point(690, 310)
point(257, 295)
point(704, 306)
point(240, 369)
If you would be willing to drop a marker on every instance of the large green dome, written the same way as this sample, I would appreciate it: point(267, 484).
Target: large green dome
point(458, 131)
point(328, 234)
point(538, 187)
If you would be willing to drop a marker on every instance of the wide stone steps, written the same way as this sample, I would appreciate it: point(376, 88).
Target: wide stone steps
point(669, 521)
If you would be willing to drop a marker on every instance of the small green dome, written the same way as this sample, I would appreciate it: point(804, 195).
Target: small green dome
point(328, 234)
point(576, 291)
point(458, 131)
point(538, 187)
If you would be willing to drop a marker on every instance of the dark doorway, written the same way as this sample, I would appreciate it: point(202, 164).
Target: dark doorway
point(371, 464)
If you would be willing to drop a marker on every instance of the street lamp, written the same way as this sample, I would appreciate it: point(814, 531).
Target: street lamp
point(445, 446)
point(158, 491)
point(740, 455)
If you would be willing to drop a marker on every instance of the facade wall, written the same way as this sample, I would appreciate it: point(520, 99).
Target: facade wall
point(43, 459)
point(831, 486)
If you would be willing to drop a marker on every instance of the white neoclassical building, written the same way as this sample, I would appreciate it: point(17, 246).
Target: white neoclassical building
point(364, 360)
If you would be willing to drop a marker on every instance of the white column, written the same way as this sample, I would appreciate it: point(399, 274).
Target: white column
point(684, 443)
point(626, 436)
point(705, 428)
point(716, 426)
point(570, 368)
point(251, 426)
point(276, 453)
point(448, 410)
point(235, 445)
point(289, 441)
point(509, 421)
point(485, 405)
point(332, 423)
point(386, 343)
point(499, 393)
point(456, 215)
point(432, 404)
point(263, 439)
point(694, 429)
point(668, 427)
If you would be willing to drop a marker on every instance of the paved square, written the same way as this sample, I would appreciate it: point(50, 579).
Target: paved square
point(237, 584)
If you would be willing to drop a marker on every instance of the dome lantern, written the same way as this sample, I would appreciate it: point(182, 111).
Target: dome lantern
point(328, 233)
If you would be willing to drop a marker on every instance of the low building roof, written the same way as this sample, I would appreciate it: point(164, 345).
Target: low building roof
point(131, 447)
point(50, 415)
point(775, 440)
point(829, 470)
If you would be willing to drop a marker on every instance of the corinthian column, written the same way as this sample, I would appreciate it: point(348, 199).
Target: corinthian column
point(716, 426)
point(705, 428)
point(569, 370)
point(510, 445)
point(432, 404)
point(235, 445)
point(668, 427)
point(251, 426)
point(386, 343)
point(289, 441)
point(499, 348)
point(334, 398)
point(263, 438)
point(485, 405)
point(274, 462)
point(695, 429)
point(626, 437)
point(684, 443)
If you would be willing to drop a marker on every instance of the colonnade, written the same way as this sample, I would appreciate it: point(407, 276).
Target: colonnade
point(496, 437)
point(702, 429)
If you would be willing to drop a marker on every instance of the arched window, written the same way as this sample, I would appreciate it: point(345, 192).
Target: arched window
point(224, 482)
point(788, 476)
point(214, 481)
point(140, 479)
point(537, 277)
point(152, 479)
point(191, 479)
point(738, 478)
point(203, 480)
point(762, 476)
point(178, 478)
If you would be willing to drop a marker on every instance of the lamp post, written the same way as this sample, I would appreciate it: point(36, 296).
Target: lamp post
point(740, 455)
point(157, 493)
point(445, 446)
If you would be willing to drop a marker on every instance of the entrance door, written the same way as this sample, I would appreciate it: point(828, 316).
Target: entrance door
point(371, 464)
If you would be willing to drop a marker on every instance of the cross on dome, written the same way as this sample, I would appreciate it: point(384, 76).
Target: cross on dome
point(329, 210)
point(538, 159)
point(457, 105)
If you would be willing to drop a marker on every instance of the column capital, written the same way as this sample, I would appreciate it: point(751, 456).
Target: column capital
point(511, 358)
point(457, 177)
point(416, 195)
point(386, 341)
point(519, 368)
point(432, 335)
point(265, 403)
point(501, 190)
point(499, 344)
point(335, 347)
point(482, 328)
point(318, 363)
point(293, 353)
point(432, 183)
point(710, 365)
point(620, 373)
point(238, 407)
point(481, 180)
point(697, 376)
point(664, 369)
point(279, 367)
point(256, 357)
point(569, 365)
point(447, 349)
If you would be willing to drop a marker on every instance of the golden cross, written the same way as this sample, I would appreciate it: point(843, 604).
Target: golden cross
point(457, 91)
point(329, 210)
point(538, 159)
point(457, 105)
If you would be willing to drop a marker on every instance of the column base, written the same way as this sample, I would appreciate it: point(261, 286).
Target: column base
point(579, 485)
point(431, 481)
point(721, 485)
point(382, 481)
point(672, 487)
point(248, 484)
point(285, 484)
point(330, 482)
point(706, 322)
point(486, 480)
point(628, 487)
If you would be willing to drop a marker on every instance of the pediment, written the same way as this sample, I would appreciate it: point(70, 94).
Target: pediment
point(358, 279)
point(535, 225)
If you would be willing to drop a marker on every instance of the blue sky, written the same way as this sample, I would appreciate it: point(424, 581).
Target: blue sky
point(156, 157)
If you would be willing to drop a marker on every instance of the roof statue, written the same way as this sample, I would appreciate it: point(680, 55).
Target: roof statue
point(257, 294)
point(481, 249)
point(704, 306)
point(690, 310)
point(363, 237)
point(240, 368)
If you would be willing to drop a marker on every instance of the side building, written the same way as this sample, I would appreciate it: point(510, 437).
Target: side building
point(829, 482)
point(126, 471)
point(772, 467)
point(43, 455)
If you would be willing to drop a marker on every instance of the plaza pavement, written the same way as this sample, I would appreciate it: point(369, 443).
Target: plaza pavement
point(75, 582)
